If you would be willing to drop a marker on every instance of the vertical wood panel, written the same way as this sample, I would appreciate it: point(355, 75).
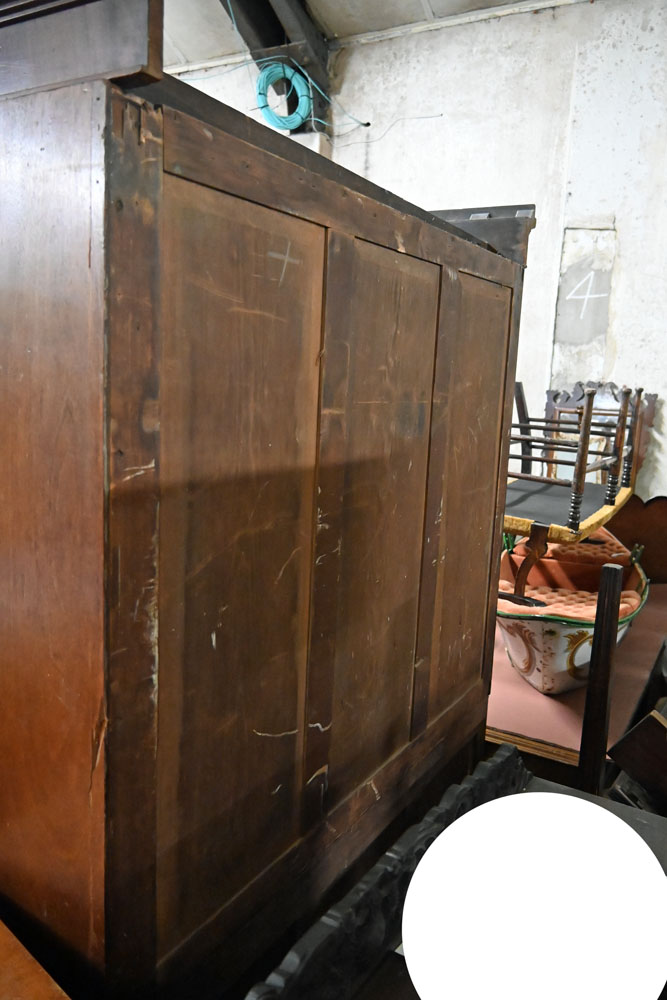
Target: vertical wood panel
point(135, 184)
point(51, 512)
point(378, 369)
point(506, 410)
point(242, 329)
point(459, 532)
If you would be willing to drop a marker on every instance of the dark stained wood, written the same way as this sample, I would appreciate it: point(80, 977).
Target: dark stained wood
point(181, 97)
point(339, 952)
point(536, 548)
point(614, 473)
point(378, 373)
point(580, 469)
point(134, 195)
point(524, 426)
point(202, 153)
point(104, 38)
point(51, 513)
point(234, 448)
point(257, 24)
point(644, 523)
point(299, 27)
point(634, 438)
point(294, 885)
point(242, 309)
point(503, 432)
point(21, 977)
point(391, 979)
point(562, 402)
point(595, 724)
point(468, 411)
point(506, 227)
point(642, 752)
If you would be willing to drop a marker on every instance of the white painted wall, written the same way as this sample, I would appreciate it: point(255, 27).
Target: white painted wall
point(235, 85)
point(566, 108)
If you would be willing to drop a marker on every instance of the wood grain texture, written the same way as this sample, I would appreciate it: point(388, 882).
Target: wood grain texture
point(202, 153)
point(459, 542)
point(242, 337)
point(98, 39)
point(247, 925)
point(379, 349)
point(644, 523)
point(642, 753)
point(132, 447)
point(185, 99)
point(21, 977)
point(503, 438)
point(51, 512)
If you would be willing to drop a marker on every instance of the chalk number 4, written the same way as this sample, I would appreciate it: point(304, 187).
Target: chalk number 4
point(587, 293)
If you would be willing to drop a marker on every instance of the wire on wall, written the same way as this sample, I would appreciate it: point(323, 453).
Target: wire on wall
point(272, 74)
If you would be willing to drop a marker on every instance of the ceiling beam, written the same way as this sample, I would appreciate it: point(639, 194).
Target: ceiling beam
point(256, 23)
point(299, 28)
point(283, 29)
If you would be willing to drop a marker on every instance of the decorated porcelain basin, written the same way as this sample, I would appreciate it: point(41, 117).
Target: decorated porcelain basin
point(550, 647)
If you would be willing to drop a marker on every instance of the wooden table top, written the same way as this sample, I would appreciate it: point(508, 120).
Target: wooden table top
point(21, 977)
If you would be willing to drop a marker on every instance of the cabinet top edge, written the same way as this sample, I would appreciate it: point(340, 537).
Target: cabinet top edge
point(171, 93)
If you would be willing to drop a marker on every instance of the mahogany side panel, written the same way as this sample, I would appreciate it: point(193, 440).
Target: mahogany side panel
point(242, 308)
point(51, 512)
point(379, 347)
point(467, 419)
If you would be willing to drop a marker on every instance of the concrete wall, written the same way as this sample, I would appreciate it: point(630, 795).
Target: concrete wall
point(565, 108)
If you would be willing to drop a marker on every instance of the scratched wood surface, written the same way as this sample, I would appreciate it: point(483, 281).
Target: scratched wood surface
point(466, 434)
point(240, 356)
point(235, 536)
point(134, 196)
point(328, 195)
point(51, 513)
point(379, 349)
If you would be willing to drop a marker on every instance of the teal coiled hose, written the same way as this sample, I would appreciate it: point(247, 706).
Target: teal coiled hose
point(271, 74)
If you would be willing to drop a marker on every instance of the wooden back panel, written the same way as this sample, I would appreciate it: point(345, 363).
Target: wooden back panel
point(272, 456)
point(302, 447)
point(379, 349)
point(467, 420)
point(240, 357)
